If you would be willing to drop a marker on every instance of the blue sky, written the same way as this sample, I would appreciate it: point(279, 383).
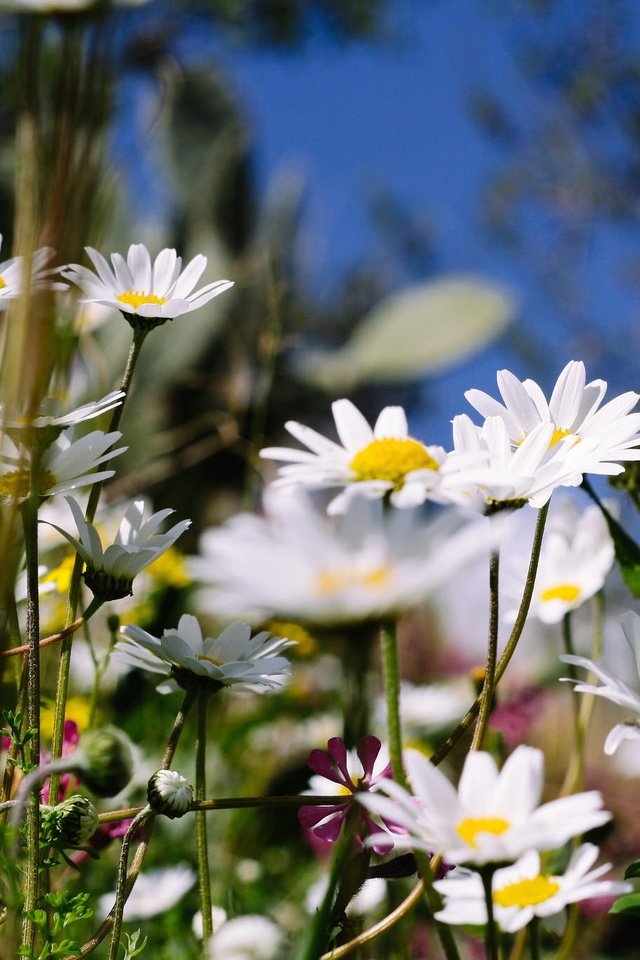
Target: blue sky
point(349, 117)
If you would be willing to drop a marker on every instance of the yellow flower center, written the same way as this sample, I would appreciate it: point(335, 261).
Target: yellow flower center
point(526, 893)
point(470, 828)
point(332, 581)
point(15, 484)
point(135, 298)
point(2, 283)
point(216, 663)
point(391, 459)
point(568, 592)
point(557, 436)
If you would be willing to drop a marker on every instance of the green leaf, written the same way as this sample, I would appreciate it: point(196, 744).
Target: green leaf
point(626, 549)
point(420, 330)
point(633, 870)
point(628, 903)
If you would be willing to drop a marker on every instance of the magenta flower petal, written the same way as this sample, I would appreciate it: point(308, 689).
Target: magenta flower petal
point(309, 817)
point(338, 750)
point(320, 763)
point(368, 749)
point(329, 831)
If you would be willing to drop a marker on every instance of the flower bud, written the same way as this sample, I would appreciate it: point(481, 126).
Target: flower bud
point(170, 793)
point(73, 821)
point(105, 760)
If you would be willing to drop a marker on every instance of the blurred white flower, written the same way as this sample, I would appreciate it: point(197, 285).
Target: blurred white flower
point(612, 688)
point(155, 892)
point(598, 434)
point(233, 659)
point(295, 563)
point(110, 572)
point(371, 462)
point(250, 937)
point(576, 556)
point(522, 892)
point(218, 917)
point(370, 896)
point(12, 270)
point(492, 817)
point(148, 294)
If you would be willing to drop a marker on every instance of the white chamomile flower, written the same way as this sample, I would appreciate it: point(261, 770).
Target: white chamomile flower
point(365, 563)
point(503, 475)
point(612, 688)
point(49, 419)
point(493, 817)
point(66, 465)
point(110, 571)
point(147, 294)
point(12, 270)
point(155, 892)
point(523, 891)
point(576, 556)
point(600, 434)
point(248, 937)
point(371, 462)
point(233, 659)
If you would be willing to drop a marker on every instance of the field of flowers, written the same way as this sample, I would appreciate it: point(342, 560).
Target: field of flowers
point(365, 696)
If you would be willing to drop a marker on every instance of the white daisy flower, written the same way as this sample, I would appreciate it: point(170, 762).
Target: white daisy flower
point(67, 464)
point(110, 572)
point(155, 892)
point(370, 462)
point(49, 419)
point(492, 817)
point(614, 689)
point(576, 556)
point(523, 891)
point(364, 564)
point(12, 270)
point(604, 433)
point(147, 294)
point(248, 937)
point(502, 475)
point(233, 659)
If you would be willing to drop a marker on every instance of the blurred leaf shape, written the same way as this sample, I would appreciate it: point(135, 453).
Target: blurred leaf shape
point(420, 330)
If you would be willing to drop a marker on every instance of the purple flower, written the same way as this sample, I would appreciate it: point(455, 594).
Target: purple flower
point(352, 771)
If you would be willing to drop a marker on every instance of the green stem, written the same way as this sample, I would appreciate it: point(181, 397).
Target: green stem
point(202, 849)
point(491, 938)
point(357, 693)
point(510, 648)
point(488, 686)
point(30, 521)
point(318, 936)
point(534, 939)
point(391, 672)
point(121, 898)
point(64, 666)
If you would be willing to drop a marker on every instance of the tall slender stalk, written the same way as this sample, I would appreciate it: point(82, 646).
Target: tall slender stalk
point(491, 933)
point(118, 907)
point(516, 632)
point(391, 673)
point(488, 686)
point(202, 849)
point(30, 520)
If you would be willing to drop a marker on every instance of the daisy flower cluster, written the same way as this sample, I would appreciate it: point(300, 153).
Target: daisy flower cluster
point(523, 450)
point(356, 531)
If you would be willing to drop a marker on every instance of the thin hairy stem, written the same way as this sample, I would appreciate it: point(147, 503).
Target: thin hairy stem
point(488, 686)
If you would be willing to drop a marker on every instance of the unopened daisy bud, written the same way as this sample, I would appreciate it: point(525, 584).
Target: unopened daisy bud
point(76, 820)
point(170, 793)
point(106, 760)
